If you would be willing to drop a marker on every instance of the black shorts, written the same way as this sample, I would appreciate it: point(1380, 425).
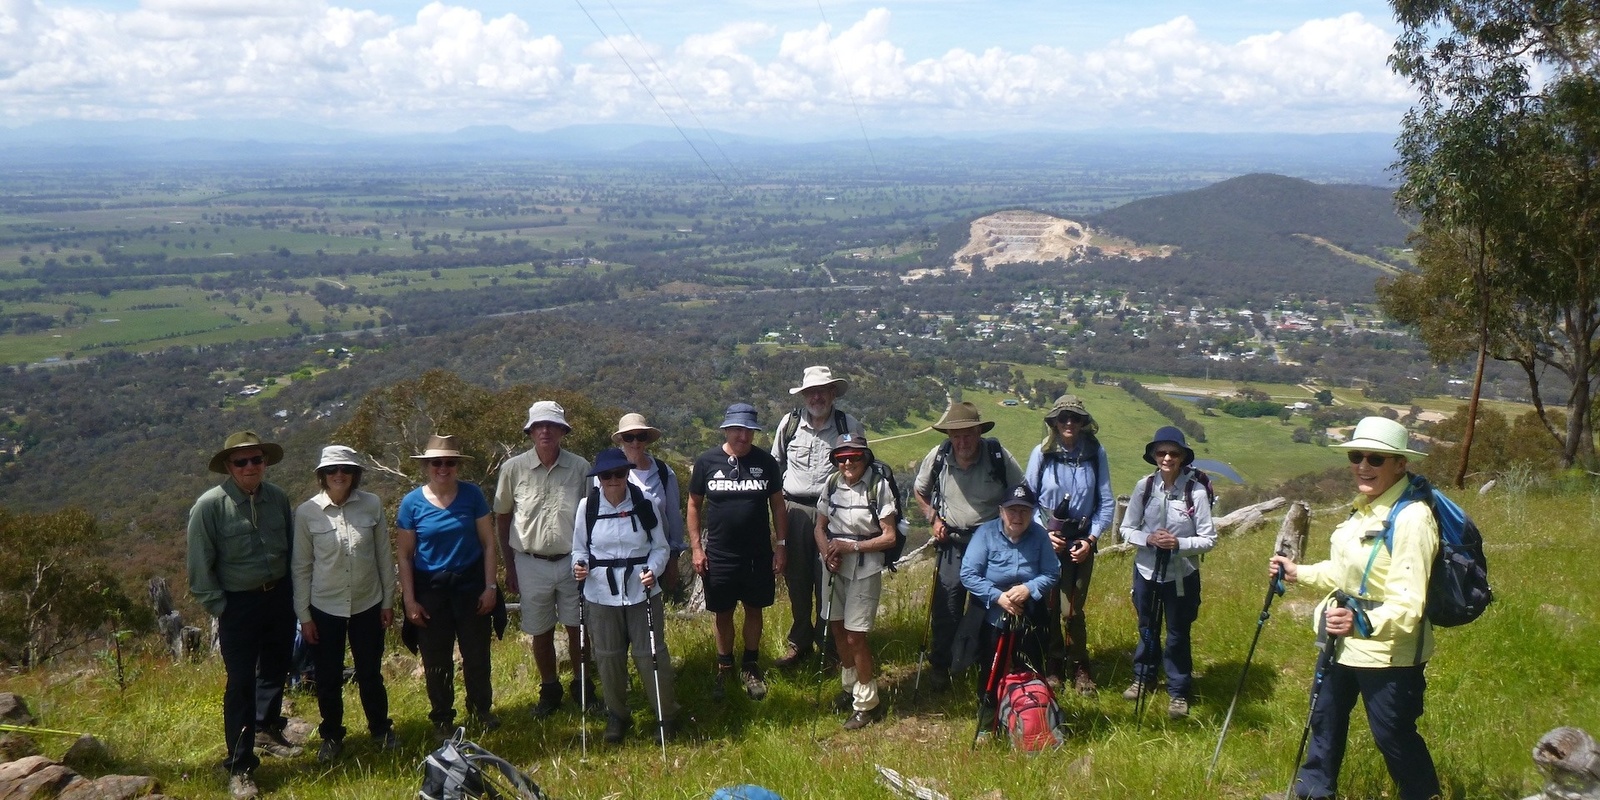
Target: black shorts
point(733, 578)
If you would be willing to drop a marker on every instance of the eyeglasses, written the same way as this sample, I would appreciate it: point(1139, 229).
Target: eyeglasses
point(1372, 459)
point(446, 463)
point(630, 438)
point(241, 463)
point(849, 458)
point(340, 469)
point(613, 475)
point(1169, 454)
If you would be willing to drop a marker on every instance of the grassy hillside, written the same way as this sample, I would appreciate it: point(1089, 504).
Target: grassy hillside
point(1494, 688)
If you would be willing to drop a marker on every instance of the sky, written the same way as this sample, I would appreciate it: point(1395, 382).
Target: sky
point(801, 69)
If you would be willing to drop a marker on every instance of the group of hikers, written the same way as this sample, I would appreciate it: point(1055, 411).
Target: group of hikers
point(592, 547)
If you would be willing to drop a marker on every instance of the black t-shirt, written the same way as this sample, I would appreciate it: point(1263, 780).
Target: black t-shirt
point(738, 496)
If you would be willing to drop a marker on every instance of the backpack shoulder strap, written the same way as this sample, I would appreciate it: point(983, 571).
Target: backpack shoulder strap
point(997, 460)
point(662, 472)
point(591, 513)
point(840, 422)
point(786, 431)
point(642, 507)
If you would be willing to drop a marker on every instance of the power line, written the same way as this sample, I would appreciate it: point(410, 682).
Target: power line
point(674, 86)
point(656, 100)
point(851, 93)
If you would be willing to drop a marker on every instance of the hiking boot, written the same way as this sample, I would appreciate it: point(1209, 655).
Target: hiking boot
point(443, 732)
point(1177, 708)
point(273, 744)
point(844, 701)
point(719, 684)
point(1083, 682)
point(1055, 683)
point(617, 728)
point(329, 751)
point(585, 699)
point(242, 787)
point(753, 683)
point(1135, 689)
point(1284, 796)
point(861, 719)
point(938, 679)
point(793, 657)
point(389, 741)
point(549, 700)
point(488, 721)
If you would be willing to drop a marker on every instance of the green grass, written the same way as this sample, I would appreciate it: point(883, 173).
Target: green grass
point(1494, 687)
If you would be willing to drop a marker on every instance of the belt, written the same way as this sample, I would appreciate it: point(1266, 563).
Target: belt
point(265, 587)
point(805, 501)
point(543, 557)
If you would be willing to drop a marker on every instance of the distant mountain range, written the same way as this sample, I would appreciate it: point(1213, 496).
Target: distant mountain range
point(1353, 158)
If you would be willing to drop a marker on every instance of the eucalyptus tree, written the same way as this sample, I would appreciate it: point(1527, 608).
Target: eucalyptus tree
point(1500, 159)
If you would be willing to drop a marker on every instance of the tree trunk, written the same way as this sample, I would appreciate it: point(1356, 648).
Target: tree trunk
point(1293, 532)
point(1570, 761)
point(1472, 404)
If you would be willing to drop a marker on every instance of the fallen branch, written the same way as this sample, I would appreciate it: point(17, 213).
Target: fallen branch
point(907, 786)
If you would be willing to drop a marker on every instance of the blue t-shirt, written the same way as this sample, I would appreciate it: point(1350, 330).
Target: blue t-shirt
point(447, 538)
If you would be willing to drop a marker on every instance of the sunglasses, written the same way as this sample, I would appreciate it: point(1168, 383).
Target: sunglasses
point(1372, 459)
point(241, 463)
point(630, 438)
point(849, 458)
point(1072, 418)
point(613, 475)
point(340, 469)
point(1169, 454)
point(448, 463)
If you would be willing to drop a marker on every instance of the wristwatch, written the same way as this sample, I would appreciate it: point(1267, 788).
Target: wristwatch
point(494, 586)
point(783, 542)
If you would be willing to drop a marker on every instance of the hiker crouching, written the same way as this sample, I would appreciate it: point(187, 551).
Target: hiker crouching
point(1380, 655)
point(618, 549)
point(959, 486)
point(856, 519)
point(1010, 569)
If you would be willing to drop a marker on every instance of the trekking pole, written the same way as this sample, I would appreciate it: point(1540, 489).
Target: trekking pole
point(1158, 606)
point(32, 729)
point(826, 609)
point(927, 630)
point(991, 687)
point(1275, 588)
point(1324, 660)
point(583, 674)
point(655, 666)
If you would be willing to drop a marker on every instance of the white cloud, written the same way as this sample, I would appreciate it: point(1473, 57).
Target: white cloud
point(452, 66)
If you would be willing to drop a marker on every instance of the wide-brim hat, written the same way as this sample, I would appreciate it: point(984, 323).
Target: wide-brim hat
point(546, 411)
point(740, 415)
point(441, 447)
point(337, 454)
point(1071, 404)
point(1170, 435)
point(1380, 435)
point(241, 441)
point(611, 458)
point(1020, 495)
point(821, 376)
point(851, 443)
point(634, 423)
point(960, 416)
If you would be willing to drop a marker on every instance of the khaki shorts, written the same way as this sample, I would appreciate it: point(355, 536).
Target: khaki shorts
point(854, 601)
point(549, 593)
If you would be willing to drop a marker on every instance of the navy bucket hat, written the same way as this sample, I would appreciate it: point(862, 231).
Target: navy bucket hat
point(1170, 435)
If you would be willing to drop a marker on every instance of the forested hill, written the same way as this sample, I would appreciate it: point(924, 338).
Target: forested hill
point(1252, 232)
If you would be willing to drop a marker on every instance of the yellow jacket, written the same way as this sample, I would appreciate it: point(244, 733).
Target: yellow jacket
point(1396, 587)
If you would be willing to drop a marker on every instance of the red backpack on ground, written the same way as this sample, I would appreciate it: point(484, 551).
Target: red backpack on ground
point(1028, 712)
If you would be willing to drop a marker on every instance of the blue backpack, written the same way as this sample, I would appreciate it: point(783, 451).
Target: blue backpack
point(1458, 583)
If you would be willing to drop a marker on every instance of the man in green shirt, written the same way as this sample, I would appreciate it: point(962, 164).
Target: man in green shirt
point(239, 538)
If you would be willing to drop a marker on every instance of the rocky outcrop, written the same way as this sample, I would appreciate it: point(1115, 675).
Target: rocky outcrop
point(25, 775)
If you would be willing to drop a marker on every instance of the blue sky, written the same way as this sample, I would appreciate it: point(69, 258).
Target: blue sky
point(752, 66)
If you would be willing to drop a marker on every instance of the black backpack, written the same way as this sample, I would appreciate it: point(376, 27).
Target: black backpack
point(791, 426)
point(880, 471)
point(993, 452)
point(461, 770)
point(643, 513)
